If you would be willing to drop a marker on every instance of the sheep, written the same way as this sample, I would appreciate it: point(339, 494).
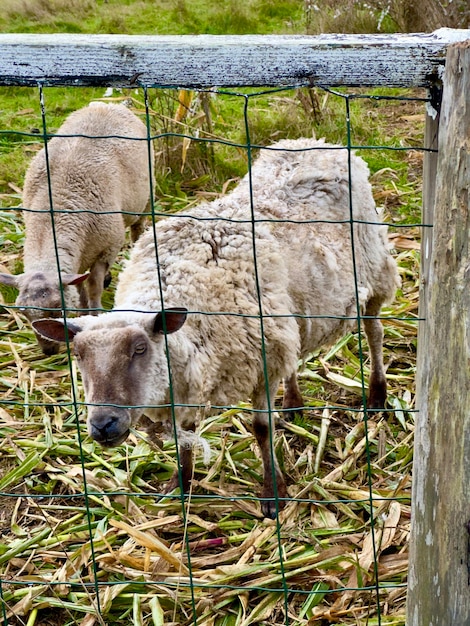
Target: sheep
point(202, 306)
point(98, 186)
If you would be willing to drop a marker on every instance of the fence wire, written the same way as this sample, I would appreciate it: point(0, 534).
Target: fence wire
point(90, 536)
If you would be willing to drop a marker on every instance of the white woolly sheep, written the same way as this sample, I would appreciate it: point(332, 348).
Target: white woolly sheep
point(99, 186)
point(209, 309)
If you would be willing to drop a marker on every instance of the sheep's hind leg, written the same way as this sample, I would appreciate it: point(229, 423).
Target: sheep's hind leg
point(263, 425)
point(292, 401)
point(375, 333)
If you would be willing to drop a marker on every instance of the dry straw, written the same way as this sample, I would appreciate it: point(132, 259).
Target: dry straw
point(141, 544)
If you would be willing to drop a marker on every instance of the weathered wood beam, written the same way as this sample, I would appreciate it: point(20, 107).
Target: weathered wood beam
point(439, 576)
point(225, 61)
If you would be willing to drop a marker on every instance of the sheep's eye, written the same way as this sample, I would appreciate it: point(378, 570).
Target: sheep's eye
point(140, 348)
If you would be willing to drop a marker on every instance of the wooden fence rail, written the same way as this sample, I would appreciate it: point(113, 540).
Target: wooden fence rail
point(225, 61)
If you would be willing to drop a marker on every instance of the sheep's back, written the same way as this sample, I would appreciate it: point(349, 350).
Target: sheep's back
point(91, 172)
point(204, 263)
point(320, 206)
point(208, 268)
point(311, 245)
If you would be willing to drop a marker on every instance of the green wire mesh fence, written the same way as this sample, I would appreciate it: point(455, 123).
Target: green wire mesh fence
point(88, 534)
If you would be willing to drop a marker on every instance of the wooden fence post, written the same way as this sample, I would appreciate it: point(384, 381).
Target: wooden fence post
point(439, 573)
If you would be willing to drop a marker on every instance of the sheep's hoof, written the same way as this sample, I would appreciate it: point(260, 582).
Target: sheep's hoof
point(377, 397)
point(172, 484)
point(290, 413)
point(169, 490)
point(271, 506)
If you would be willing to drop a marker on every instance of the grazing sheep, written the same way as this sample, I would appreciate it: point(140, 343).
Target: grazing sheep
point(202, 305)
point(99, 186)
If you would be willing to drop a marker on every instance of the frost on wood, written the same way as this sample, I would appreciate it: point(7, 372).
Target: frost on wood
point(225, 61)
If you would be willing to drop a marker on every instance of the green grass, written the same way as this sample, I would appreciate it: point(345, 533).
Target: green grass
point(178, 17)
point(191, 17)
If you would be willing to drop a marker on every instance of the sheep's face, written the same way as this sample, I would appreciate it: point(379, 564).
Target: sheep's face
point(123, 367)
point(40, 295)
point(40, 292)
point(114, 364)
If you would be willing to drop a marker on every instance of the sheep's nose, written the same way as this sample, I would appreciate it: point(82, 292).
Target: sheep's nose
point(109, 429)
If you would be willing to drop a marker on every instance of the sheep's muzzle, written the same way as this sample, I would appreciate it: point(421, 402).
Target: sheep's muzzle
point(109, 426)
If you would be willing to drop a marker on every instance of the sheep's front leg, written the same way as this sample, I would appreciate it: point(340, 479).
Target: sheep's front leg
point(185, 469)
point(95, 283)
point(138, 228)
point(263, 427)
point(83, 297)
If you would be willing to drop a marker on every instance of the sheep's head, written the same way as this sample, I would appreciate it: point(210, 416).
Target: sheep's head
point(123, 366)
point(39, 295)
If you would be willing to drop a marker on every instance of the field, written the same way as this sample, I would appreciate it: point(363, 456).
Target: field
point(85, 538)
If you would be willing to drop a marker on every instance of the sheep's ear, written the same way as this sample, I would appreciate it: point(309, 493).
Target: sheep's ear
point(174, 319)
point(55, 329)
point(9, 279)
point(73, 279)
